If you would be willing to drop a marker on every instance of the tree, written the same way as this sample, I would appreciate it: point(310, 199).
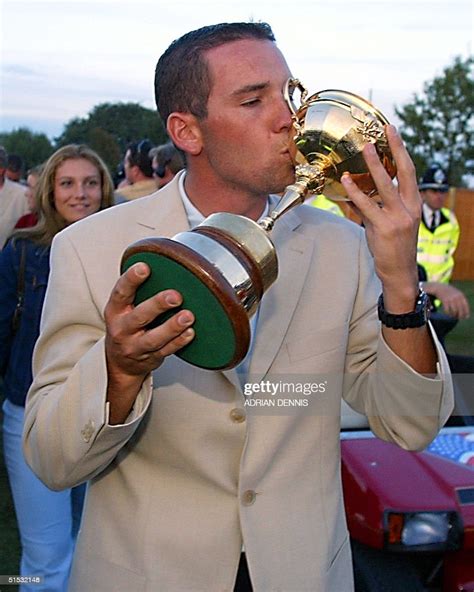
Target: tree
point(34, 148)
point(109, 127)
point(438, 125)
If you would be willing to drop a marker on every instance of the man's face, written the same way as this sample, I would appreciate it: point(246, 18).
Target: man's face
point(247, 130)
point(433, 198)
point(13, 175)
point(127, 167)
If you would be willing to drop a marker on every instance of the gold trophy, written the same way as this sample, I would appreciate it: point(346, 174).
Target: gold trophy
point(223, 266)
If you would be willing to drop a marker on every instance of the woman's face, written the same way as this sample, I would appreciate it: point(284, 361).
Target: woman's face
point(77, 189)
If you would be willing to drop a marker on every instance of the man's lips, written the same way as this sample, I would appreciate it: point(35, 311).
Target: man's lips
point(290, 150)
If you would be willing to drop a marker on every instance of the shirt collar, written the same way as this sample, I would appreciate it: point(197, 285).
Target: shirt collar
point(429, 213)
point(193, 214)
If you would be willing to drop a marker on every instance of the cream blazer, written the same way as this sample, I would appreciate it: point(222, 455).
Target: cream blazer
point(195, 473)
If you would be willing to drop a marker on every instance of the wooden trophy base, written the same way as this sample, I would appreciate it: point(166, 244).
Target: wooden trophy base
point(222, 328)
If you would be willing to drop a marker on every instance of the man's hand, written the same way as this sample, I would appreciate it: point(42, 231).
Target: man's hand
point(132, 352)
point(392, 229)
point(453, 300)
point(392, 233)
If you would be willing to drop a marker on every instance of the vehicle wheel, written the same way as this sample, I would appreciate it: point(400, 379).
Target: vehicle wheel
point(380, 571)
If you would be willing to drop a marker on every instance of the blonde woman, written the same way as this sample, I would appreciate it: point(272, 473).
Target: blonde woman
point(73, 184)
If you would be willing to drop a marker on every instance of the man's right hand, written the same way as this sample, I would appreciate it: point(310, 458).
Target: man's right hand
point(132, 352)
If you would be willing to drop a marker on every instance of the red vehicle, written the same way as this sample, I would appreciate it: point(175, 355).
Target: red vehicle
point(411, 514)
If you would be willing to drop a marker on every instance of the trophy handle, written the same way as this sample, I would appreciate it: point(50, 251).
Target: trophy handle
point(291, 85)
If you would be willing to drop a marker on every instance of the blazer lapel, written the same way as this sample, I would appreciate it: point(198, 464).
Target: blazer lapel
point(278, 304)
point(165, 214)
point(233, 378)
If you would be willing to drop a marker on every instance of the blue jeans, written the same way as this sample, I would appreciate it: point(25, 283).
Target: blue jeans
point(48, 520)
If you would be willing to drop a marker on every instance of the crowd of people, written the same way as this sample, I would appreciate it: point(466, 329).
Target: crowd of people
point(183, 484)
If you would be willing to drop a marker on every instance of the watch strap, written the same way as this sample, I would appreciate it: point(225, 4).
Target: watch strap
point(410, 320)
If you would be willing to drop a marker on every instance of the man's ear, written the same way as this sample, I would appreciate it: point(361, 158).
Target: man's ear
point(185, 132)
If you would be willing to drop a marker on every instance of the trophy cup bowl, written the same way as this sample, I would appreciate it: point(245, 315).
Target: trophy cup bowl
point(223, 266)
point(332, 127)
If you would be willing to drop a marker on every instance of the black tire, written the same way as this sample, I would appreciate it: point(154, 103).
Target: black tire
point(380, 571)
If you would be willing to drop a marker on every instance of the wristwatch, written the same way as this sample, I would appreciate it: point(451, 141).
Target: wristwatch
point(409, 320)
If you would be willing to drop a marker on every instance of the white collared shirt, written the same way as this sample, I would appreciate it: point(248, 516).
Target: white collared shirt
point(429, 214)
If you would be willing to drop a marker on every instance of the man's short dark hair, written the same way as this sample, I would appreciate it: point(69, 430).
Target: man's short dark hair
point(182, 78)
point(15, 163)
point(139, 156)
point(167, 155)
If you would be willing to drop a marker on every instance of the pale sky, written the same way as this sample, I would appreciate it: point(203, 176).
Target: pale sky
point(62, 57)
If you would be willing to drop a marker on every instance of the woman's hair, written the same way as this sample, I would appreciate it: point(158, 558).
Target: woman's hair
point(50, 222)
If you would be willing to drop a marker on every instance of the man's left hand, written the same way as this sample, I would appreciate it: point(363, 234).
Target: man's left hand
point(391, 226)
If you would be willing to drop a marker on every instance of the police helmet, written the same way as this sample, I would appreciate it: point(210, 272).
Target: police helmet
point(434, 178)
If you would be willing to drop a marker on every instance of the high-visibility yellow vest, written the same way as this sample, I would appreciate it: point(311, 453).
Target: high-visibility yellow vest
point(324, 203)
point(435, 250)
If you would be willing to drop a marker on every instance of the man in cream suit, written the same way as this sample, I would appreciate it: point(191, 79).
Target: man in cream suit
point(181, 472)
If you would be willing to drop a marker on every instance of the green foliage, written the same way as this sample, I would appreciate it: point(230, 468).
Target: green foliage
point(109, 127)
point(34, 148)
point(438, 125)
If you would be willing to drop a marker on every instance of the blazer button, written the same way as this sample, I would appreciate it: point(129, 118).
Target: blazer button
point(237, 415)
point(87, 431)
point(249, 497)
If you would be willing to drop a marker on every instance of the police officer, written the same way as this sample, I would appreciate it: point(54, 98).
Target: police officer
point(438, 238)
point(439, 229)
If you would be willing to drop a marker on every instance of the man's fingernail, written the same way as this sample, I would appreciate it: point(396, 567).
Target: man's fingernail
point(172, 300)
point(185, 319)
point(141, 269)
point(346, 179)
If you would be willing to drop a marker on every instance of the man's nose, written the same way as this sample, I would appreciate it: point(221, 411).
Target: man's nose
point(283, 117)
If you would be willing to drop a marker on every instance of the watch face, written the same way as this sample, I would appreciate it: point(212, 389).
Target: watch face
point(425, 305)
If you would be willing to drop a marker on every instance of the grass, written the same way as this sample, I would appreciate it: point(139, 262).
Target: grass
point(459, 341)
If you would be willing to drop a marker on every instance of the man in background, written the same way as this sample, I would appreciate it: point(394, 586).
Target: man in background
point(438, 238)
point(15, 167)
point(166, 161)
point(438, 235)
point(138, 171)
point(13, 202)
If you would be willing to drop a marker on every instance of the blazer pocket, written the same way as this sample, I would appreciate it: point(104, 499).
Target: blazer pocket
point(93, 572)
point(317, 344)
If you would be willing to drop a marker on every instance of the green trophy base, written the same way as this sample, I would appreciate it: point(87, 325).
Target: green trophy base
point(222, 328)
